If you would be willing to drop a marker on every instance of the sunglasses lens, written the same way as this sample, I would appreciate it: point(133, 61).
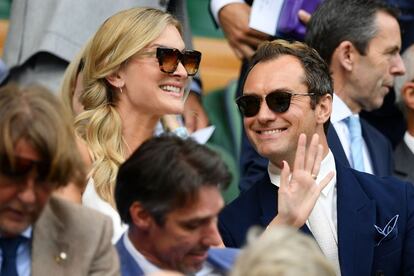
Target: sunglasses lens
point(278, 101)
point(168, 59)
point(191, 61)
point(249, 105)
point(22, 167)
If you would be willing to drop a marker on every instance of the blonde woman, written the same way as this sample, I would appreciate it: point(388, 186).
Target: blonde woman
point(136, 70)
point(281, 251)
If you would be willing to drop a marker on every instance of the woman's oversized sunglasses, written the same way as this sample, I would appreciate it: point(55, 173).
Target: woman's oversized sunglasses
point(168, 59)
point(249, 105)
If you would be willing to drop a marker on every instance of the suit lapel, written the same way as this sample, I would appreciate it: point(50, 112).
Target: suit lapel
point(336, 146)
point(50, 249)
point(356, 219)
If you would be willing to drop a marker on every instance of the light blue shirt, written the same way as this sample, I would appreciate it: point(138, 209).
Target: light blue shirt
point(23, 254)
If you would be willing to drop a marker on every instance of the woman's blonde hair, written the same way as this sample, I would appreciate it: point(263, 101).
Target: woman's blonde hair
point(68, 85)
point(118, 39)
point(282, 251)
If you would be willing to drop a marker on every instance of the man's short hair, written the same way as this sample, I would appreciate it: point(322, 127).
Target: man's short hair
point(34, 114)
point(317, 75)
point(166, 173)
point(336, 21)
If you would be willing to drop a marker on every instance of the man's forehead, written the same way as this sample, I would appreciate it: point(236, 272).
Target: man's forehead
point(285, 73)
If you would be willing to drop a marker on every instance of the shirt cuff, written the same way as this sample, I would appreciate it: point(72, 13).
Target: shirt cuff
point(217, 5)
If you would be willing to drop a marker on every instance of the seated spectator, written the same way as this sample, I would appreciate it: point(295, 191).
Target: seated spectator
point(168, 192)
point(281, 251)
point(136, 70)
point(41, 234)
point(404, 87)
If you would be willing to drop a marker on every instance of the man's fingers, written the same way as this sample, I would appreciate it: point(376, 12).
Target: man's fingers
point(284, 175)
point(300, 153)
point(312, 153)
point(304, 16)
point(325, 181)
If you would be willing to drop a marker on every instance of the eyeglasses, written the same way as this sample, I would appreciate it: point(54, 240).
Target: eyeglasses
point(249, 105)
point(22, 167)
point(168, 59)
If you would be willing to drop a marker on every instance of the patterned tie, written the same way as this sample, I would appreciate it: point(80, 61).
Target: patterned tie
point(324, 235)
point(9, 247)
point(355, 133)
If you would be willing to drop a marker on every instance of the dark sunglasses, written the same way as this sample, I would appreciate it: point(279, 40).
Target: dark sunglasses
point(168, 59)
point(22, 167)
point(249, 105)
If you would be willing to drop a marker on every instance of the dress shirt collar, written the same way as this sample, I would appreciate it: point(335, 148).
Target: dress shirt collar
point(26, 233)
point(340, 110)
point(327, 165)
point(147, 267)
point(144, 264)
point(409, 140)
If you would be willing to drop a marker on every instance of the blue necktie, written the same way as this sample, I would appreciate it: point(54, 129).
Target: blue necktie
point(9, 247)
point(355, 132)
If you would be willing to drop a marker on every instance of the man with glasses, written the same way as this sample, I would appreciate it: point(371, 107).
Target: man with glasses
point(41, 234)
point(363, 224)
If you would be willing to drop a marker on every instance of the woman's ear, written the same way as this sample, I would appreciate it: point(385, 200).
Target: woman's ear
point(115, 79)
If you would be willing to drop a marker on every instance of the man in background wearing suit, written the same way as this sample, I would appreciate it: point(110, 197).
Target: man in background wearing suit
point(41, 234)
point(404, 87)
point(168, 192)
point(364, 224)
point(363, 56)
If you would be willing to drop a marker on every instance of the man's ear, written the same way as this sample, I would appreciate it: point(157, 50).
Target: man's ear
point(346, 55)
point(323, 109)
point(407, 93)
point(139, 216)
point(116, 79)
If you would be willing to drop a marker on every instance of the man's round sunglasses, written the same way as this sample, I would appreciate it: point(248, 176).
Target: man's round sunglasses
point(168, 59)
point(249, 105)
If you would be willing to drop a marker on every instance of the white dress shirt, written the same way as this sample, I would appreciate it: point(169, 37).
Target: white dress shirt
point(409, 141)
point(24, 253)
point(217, 5)
point(328, 194)
point(91, 199)
point(147, 267)
point(340, 111)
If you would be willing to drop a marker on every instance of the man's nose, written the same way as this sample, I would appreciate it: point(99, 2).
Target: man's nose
point(398, 67)
point(211, 235)
point(27, 192)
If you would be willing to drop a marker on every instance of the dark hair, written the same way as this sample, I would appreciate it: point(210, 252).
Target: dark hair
point(317, 76)
point(34, 114)
point(336, 21)
point(166, 173)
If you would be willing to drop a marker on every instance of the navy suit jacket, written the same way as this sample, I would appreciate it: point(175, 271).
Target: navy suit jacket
point(363, 200)
point(221, 259)
point(379, 148)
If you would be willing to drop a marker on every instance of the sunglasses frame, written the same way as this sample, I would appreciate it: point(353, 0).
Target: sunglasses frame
point(182, 57)
point(17, 172)
point(279, 108)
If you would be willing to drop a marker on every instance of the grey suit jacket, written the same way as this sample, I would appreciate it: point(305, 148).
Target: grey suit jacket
point(63, 27)
point(404, 162)
point(70, 239)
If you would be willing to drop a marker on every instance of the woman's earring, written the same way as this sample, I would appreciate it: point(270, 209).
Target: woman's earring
point(120, 90)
